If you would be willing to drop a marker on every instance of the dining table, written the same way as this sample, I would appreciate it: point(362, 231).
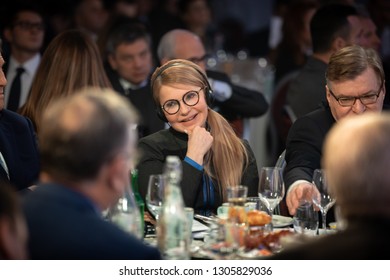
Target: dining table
point(208, 238)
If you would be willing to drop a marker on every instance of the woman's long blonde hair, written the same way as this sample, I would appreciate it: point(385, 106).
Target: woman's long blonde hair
point(227, 159)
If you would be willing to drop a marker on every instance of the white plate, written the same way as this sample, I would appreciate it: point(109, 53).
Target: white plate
point(198, 226)
point(281, 221)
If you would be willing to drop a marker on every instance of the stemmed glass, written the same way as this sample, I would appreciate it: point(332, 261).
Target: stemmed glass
point(322, 199)
point(271, 186)
point(155, 194)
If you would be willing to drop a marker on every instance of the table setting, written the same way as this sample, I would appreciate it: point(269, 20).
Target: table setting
point(247, 227)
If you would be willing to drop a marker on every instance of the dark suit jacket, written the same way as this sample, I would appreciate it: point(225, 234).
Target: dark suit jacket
point(63, 224)
point(365, 238)
point(304, 147)
point(142, 99)
point(304, 144)
point(307, 90)
point(244, 103)
point(18, 145)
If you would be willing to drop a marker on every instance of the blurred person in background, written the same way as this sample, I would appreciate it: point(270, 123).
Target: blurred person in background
point(380, 13)
point(128, 8)
point(90, 16)
point(295, 46)
point(70, 62)
point(196, 16)
point(356, 158)
point(369, 38)
point(332, 27)
point(13, 228)
point(262, 41)
point(354, 86)
point(24, 33)
point(84, 172)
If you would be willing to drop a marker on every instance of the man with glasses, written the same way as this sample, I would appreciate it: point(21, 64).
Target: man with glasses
point(231, 101)
point(25, 35)
point(354, 86)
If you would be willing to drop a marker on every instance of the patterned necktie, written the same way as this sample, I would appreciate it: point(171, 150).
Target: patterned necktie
point(14, 96)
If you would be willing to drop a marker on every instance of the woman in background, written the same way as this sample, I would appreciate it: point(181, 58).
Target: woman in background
point(71, 61)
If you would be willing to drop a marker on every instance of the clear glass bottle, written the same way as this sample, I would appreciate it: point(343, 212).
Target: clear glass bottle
point(138, 198)
point(125, 213)
point(172, 236)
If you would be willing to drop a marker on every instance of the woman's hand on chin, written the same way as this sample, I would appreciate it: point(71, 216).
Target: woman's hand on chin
point(199, 142)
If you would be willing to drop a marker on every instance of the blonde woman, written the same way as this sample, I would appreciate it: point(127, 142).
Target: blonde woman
point(213, 156)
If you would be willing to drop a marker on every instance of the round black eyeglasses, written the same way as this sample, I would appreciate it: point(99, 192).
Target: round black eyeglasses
point(190, 98)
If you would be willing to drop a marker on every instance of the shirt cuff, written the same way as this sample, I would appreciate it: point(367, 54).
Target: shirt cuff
point(295, 184)
point(193, 163)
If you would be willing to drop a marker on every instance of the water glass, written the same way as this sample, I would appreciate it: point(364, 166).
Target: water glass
point(305, 220)
point(236, 195)
point(236, 223)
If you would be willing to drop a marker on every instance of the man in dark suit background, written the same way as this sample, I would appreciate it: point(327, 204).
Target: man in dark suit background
point(129, 64)
point(332, 27)
point(356, 160)
point(19, 157)
point(24, 32)
point(87, 147)
point(355, 86)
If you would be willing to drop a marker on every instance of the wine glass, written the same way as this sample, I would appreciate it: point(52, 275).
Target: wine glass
point(322, 199)
point(271, 186)
point(155, 194)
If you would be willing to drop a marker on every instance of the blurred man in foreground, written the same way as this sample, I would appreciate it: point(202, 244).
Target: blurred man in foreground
point(87, 145)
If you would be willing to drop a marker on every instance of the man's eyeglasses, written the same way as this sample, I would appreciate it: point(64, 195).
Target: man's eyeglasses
point(366, 99)
point(28, 25)
point(172, 106)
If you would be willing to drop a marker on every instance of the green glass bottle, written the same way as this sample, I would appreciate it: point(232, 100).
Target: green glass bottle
point(137, 196)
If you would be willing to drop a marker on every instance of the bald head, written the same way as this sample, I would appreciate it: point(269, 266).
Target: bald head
point(356, 157)
point(183, 44)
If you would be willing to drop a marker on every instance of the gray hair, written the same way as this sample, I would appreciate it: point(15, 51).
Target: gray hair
point(84, 131)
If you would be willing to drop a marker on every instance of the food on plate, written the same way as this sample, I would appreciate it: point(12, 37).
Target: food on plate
point(270, 241)
point(258, 218)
